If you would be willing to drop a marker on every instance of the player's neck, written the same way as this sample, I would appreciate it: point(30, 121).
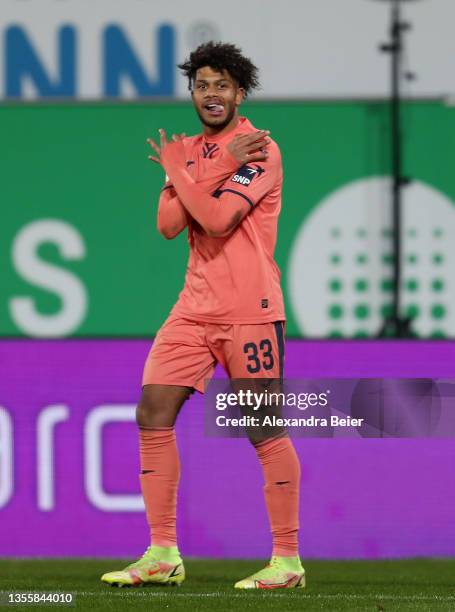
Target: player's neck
point(209, 131)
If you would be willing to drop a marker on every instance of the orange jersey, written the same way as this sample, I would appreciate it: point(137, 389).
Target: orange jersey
point(235, 279)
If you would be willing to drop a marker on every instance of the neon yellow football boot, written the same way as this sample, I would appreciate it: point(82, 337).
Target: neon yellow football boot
point(158, 565)
point(280, 573)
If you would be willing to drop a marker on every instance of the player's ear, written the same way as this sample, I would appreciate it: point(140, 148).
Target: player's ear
point(240, 95)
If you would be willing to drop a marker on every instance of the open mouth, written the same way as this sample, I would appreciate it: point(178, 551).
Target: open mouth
point(214, 109)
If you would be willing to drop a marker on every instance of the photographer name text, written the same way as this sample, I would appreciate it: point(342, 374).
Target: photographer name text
point(273, 421)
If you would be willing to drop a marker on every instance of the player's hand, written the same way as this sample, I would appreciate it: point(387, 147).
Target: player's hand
point(250, 147)
point(163, 150)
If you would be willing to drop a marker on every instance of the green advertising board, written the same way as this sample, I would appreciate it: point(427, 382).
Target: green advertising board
point(80, 254)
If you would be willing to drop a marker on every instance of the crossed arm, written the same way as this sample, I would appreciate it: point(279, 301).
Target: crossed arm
point(187, 198)
point(172, 216)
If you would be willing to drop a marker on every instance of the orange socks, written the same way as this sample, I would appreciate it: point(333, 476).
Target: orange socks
point(160, 473)
point(281, 468)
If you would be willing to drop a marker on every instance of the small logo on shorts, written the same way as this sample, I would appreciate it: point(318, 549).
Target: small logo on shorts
point(264, 303)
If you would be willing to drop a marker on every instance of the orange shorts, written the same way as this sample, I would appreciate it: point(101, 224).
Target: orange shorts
point(186, 352)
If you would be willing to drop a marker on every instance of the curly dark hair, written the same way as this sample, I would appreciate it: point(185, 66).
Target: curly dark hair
point(222, 56)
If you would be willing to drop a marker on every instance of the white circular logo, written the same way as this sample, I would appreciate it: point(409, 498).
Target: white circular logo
point(341, 264)
point(202, 32)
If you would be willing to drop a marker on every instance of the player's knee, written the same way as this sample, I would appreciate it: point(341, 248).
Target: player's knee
point(158, 407)
point(150, 411)
point(142, 414)
point(260, 435)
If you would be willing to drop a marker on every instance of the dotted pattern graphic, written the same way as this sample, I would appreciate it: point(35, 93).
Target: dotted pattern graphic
point(340, 272)
point(362, 310)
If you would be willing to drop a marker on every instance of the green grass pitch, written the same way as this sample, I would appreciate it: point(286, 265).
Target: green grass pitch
point(417, 584)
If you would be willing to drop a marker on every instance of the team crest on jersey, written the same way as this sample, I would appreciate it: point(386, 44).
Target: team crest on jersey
point(246, 174)
point(209, 149)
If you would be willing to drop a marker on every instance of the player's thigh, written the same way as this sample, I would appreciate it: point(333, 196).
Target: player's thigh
point(160, 404)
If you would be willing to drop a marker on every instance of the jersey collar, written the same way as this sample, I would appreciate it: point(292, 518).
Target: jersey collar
point(243, 126)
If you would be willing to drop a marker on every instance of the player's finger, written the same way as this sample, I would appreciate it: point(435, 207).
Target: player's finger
point(175, 137)
point(238, 138)
point(259, 144)
point(265, 140)
point(153, 144)
point(163, 137)
point(155, 159)
point(259, 135)
point(260, 156)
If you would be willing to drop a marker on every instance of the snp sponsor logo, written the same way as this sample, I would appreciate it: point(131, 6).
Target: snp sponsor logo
point(246, 174)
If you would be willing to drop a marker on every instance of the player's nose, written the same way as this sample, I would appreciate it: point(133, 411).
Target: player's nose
point(211, 89)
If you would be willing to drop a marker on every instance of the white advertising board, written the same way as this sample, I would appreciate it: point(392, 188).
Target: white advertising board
point(92, 49)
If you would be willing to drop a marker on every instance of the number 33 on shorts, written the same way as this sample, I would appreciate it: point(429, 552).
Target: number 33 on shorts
point(263, 353)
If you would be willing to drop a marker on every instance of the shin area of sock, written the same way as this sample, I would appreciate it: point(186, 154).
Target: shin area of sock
point(281, 468)
point(160, 474)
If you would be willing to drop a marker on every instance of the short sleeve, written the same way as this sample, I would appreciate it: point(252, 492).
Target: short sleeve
point(255, 180)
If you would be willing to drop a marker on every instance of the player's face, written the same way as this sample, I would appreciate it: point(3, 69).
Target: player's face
point(216, 97)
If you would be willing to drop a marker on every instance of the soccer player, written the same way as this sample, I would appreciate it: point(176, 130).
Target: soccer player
point(223, 185)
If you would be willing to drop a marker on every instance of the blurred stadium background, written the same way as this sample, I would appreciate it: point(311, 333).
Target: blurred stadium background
point(86, 279)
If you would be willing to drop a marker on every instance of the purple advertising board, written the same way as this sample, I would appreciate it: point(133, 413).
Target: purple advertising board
point(69, 464)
